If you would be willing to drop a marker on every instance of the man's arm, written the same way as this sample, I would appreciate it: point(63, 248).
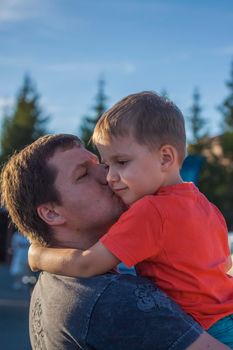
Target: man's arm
point(72, 262)
point(133, 314)
point(207, 342)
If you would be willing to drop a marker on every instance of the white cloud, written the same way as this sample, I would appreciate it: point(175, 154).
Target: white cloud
point(27, 63)
point(17, 10)
point(187, 56)
point(49, 108)
point(19, 62)
point(177, 57)
point(6, 102)
point(125, 67)
point(6, 105)
point(225, 50)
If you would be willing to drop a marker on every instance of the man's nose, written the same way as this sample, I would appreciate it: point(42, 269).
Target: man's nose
point(100, 173)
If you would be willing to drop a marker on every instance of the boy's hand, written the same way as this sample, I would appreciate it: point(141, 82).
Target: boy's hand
point(33, 256)
point(72, 262)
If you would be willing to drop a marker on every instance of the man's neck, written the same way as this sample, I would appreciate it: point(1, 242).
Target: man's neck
point(79, 240)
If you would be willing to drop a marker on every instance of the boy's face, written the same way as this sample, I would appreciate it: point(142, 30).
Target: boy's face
point(133, 169)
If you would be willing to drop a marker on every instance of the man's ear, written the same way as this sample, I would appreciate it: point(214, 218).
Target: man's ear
point(168, 156)
point(48, 213)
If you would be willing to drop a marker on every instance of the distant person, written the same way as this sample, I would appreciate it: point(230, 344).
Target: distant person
point(68, 203)
point(171, 232)
point(19, 264)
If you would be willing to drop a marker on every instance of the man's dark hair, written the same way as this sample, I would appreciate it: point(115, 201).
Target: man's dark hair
point(27, 181)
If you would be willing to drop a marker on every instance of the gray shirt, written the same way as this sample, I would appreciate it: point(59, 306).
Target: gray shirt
point(107, 312)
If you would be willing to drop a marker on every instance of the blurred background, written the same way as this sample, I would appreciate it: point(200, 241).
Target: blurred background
point(63, 63)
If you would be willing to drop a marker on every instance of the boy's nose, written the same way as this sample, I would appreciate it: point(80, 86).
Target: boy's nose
point(112, 176)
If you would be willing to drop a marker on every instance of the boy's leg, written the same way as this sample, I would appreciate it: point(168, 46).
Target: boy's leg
point(223, 330)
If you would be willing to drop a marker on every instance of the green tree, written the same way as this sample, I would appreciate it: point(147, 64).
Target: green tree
point(25, 124)
point(227, 146)
point(216, 176)
point(227, 106)
point(195, 119)
point(226, 142)
point(216, 181)
point(89, 122)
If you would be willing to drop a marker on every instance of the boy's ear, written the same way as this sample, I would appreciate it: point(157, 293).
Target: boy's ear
point(48, 213)
point(168, 156)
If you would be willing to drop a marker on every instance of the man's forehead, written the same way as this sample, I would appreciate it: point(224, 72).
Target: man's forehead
point(70, 158)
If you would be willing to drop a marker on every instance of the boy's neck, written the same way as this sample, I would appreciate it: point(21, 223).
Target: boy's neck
point(173, 179)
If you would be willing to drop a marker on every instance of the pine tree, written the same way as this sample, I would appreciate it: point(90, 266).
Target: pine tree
point(25, 124)
point(227, 106)
point(227, 111)
point(195, 119)
point(217, 173)
point(89, 122)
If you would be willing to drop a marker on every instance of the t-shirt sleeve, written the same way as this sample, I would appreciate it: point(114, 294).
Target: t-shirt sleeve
point(134, 314)
point(137, 235)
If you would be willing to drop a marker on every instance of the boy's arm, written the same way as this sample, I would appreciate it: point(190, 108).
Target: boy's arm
point(72, 262)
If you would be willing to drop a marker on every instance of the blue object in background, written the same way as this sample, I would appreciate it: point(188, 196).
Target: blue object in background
point(191, 168)
point(122, 268)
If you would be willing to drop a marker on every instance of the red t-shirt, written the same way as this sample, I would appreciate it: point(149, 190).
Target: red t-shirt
point(179, 240)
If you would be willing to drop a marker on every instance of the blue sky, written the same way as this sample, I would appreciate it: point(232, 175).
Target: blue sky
point(66, 45)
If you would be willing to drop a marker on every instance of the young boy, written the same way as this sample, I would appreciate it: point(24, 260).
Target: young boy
point(171, 232)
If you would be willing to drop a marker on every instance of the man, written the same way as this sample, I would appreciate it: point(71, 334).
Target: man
point(56, 193)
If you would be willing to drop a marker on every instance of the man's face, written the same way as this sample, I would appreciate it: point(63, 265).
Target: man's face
point(87, 203)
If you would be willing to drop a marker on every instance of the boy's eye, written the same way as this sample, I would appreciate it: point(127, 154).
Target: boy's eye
point(122, 162)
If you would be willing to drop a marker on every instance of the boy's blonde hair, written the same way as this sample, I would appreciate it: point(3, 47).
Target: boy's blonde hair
point(151, 119)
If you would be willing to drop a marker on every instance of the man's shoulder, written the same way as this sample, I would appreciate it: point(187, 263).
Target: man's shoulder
point(80, 293)
point(54, 281)
point(57, 284)
point(61, 309)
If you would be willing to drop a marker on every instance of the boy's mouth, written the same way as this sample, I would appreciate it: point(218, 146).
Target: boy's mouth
point(117, 190)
